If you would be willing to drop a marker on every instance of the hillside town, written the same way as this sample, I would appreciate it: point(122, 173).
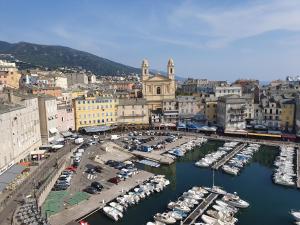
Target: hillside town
point(46, 115)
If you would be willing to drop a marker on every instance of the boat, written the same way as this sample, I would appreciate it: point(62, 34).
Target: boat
point(216, 189)
point(117, 206)
point(175, 215)
point(178, 206)
point(112, 213)
point(235, 201)
point(296, 214)
point(164, 218)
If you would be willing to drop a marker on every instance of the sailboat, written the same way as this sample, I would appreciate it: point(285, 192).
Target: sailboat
point(215, 189)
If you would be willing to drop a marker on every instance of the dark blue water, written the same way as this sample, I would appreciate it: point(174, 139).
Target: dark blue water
point(269, 203)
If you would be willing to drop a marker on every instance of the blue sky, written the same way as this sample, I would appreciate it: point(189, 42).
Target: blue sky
point(214, 39)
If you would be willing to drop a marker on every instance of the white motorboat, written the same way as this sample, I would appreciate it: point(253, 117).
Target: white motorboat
point(117, 206)
point(235, 201)
point(175, 215)
point(112, 213)
point(164, 218)
point(155, 223)
point(210, 220)
point(178, 206)
point(296, 214)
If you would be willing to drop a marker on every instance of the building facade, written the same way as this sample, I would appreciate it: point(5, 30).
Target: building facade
point(231, 112)
point(133, 112)
point(95, 111)
point(188, 106)
point(158, 88)
point(227, 90)
point(77, 78)
point(20, 130)
point(65, 119)
point(48, 119)
point(9, 75)
point(210, 110)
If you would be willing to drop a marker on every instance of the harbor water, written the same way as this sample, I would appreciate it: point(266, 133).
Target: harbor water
point(269, 203)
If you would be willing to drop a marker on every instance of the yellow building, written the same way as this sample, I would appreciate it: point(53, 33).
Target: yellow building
point(158, 88)
point(9, 75)
point(287, 117)
point(95, 111)
point(210, 110)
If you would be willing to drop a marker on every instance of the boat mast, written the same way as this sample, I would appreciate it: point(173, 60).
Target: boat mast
point(213, 177)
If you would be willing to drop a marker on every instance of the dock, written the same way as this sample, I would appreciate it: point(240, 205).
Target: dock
point(191, 219)
point(97, 202)
point(298, 167)
point(227, 157)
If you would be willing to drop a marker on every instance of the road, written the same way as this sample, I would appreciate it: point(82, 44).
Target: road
point(29, 184)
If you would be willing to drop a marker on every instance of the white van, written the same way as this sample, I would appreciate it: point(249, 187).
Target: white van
point(114, 137)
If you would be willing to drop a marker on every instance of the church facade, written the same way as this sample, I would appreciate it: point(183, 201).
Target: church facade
point(158, 88)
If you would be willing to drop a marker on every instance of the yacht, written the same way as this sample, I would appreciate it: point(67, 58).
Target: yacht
point(235, 201)
point(216, 189)
point(175, 215)
point(164, 218)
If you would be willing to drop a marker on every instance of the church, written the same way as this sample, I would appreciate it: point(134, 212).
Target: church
point(158, 88)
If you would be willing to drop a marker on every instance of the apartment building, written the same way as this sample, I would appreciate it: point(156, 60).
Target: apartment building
point(231, 112)
point(9, 75)
point(48, 118)
point(95, 111)
point(133, 112)
point(228, 90)
point(20, 129)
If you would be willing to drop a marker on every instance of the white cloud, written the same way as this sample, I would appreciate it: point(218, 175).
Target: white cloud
point(225, 25)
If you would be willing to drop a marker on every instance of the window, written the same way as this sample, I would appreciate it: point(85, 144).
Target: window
point(158, 91)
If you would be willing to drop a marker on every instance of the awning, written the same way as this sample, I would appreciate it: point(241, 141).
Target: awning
point(53, 130)
point(9, 175)
point(265, 135)
point(38, 152)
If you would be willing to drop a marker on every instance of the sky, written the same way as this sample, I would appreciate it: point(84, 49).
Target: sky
point(213, 39)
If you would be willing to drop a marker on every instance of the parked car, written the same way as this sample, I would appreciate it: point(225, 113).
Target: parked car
point(91, 190)
point(91, 171)
point(71, 168)
point(98, 169)
point(114, 180)
point(97, 185)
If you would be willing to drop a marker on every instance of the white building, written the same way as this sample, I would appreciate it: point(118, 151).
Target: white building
point(231, 112)
point(227, 90)
point(48, 118)
point(20, 129)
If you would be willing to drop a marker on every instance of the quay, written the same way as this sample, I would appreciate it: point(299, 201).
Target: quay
point(157, 155)
point(97, 202)
point(298, 168)
point(200, 209)
point(221, 162)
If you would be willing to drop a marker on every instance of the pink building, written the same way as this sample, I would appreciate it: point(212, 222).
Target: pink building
point(65, 120)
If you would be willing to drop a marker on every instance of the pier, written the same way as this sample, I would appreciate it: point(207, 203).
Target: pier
point(200, 209)
point(227, 157)
point(298, 167)
point(97, 202)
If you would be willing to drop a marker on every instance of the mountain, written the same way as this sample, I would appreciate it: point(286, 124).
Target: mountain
point(52, 57)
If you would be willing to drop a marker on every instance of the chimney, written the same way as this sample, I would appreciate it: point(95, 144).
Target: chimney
point(10, 96)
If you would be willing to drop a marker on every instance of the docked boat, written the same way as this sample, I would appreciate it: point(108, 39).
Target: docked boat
point(178, 206)
point(117, 206)
point(164, 218)
point(175, 215)
point(216, 189)
point(234, 200)
point(296, 214)
point(112, 213)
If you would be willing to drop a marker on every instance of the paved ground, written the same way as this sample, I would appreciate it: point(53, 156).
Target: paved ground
point(98, 201)
point(28, 186)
